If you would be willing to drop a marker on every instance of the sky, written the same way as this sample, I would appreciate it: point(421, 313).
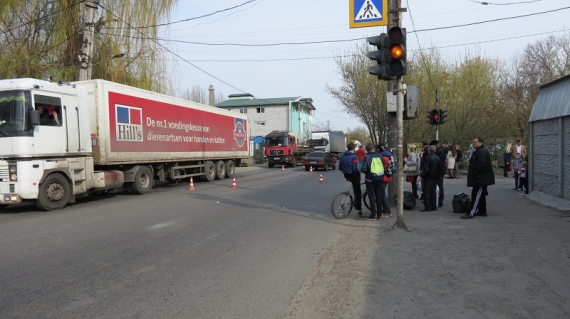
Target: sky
point(287, 47)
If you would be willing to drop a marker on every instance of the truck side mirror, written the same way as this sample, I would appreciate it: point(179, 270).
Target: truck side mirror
point(34, 117)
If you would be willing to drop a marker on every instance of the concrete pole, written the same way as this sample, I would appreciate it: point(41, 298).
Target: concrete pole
point(396, 127)
point(85, 63)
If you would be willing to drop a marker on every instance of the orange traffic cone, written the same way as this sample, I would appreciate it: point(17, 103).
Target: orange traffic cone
point(234, 185)
point(283, 168)
point(191, 184)
point(311, 170)
point(321, 180)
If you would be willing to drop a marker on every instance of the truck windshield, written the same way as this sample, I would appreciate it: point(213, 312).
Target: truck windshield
point(277, 141)
point(13, 108)
point(321, 142)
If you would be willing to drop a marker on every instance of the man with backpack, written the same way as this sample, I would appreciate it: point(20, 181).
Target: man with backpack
point(389, 169)
point(373, 170)
point(348, 165)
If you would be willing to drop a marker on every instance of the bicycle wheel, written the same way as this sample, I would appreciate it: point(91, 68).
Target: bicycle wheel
point(341, 205)
point(366, 200)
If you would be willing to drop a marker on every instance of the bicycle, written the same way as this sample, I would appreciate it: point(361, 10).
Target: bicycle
point(343, 202)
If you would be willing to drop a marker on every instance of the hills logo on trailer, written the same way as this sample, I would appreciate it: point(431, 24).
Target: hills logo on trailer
point(129, 123)
point(239, 132)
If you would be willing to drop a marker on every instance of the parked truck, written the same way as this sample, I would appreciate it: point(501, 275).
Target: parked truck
point(283, 148)
point(328, 142)
point(61, 140)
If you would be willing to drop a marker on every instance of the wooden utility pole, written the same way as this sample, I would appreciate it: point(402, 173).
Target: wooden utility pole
point(85, 62)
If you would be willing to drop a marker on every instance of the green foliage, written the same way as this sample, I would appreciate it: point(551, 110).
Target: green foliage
point(485, 97)
point(43, 39)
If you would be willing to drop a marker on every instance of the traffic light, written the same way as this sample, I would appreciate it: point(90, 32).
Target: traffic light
point(391, 54)
point(382, 56)
point(442, 116)
point(397, 49)
point(433, 117)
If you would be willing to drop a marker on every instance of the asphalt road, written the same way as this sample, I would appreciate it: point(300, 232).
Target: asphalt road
point(271, 249)
point(212, 252)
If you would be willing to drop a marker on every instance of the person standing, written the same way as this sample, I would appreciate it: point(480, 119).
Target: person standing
point(413, 161)
point(348, 165)
point(373, 182)
point(457, 160)
point(386, 156)
point(430, 172)
point(523, 175)
point(360, 153)
point(451, 157)
point(507, 157)
point(442, 154)
point(479, 176)
point(519, 148)
point(424, 152)
point(517, 161)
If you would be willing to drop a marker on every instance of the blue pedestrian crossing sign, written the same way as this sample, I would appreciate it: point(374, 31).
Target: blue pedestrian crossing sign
point(368, 13)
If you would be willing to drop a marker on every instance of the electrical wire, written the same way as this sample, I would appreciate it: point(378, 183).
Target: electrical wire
point(423, 58)
point(190, 19)
point(504, 4)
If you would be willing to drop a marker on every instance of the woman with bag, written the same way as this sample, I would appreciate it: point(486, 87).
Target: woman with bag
point(412, 169)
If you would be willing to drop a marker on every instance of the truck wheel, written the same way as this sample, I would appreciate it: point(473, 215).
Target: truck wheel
point(230, 169)
point(271, 165)
point(307, 168)
point(53, 193)
point(220, 170)
point(210, 170)
point(144, 181)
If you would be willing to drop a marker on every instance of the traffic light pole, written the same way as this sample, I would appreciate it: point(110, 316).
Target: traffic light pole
point(396, 125)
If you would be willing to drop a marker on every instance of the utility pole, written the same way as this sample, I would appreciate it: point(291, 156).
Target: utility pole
point(396, 125)
point(86, 54)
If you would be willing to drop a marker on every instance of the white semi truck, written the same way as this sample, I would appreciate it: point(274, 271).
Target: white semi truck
point(328, 142)
point(60, 140)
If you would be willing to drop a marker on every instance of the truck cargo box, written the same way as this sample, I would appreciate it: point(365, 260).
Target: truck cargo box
point(130, 125)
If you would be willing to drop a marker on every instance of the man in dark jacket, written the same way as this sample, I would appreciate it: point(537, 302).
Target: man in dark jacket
point(479, 176)
point(441, 152)
point(348, 165)
point(430, 169)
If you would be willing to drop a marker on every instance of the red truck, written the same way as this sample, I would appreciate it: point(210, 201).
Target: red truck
point(283, 148)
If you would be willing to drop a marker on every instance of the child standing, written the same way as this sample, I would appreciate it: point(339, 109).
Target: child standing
point(516, 163)
point(523, 174)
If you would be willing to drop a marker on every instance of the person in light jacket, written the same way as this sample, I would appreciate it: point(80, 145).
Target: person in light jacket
point(413, 160)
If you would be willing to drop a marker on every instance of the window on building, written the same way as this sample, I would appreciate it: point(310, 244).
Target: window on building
point(260, 110)
point(259, 123)
point(243, 110)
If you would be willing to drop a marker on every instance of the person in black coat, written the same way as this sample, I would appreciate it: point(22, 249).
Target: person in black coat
point(479, 176)
point(441, 152)
point(430, 170)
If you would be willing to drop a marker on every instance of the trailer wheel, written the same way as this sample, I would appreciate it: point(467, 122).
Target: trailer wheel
point(53, 193)
point(144, 181)
point(230, 168)
point(210, 170)
point(220, 170)
point(271, 165)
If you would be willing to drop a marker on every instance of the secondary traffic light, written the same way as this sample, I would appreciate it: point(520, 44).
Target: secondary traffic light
point(391, 54)
point(382, 56)
point(433, 117)
point(397, 49)
point(442, 116)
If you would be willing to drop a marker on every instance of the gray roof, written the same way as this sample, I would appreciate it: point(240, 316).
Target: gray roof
point(238, 102)
point(552, 101)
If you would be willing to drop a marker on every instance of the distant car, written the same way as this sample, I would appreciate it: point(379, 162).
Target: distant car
point(319, 159)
